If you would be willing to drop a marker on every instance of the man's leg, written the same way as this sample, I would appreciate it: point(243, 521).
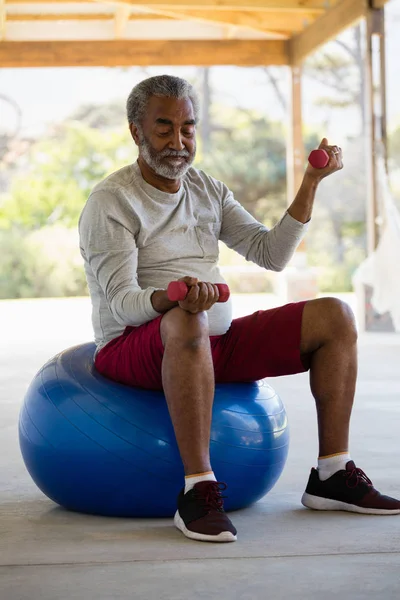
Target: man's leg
point(188, 382)
point(319, 335)
point(328, 348)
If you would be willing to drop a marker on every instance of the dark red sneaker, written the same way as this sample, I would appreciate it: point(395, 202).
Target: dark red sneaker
point(201, 515)
point(350, 490)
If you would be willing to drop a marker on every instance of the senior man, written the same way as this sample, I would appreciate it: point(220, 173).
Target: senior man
point(159, 220)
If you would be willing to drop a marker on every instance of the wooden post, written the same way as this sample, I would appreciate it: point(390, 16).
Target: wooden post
point(295, 145)
point(376, 134)
point(299, 282)
point(205, 125)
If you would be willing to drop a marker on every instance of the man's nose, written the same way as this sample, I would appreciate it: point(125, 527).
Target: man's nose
point(177, 141)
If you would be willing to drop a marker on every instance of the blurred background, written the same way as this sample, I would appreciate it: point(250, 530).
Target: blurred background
point(63, 130)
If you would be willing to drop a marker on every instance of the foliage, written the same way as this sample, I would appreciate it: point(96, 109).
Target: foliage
point(63, 168)
point(101, 116)
point(336, 249)
point(44, 263)
point(248, 154)
point(38, 215)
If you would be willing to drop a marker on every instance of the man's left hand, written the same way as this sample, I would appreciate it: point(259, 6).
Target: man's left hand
point(335, 162)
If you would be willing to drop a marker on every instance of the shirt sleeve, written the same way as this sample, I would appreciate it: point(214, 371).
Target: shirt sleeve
point(271, 249)
point(108, 246)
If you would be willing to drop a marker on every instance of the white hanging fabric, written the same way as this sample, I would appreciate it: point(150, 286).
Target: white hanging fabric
point(381, 270)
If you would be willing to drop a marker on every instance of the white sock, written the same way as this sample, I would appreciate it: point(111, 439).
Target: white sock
point(329, 465)
point(191, 480)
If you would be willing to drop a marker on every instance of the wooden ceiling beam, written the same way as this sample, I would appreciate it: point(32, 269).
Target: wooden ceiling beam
point(121, 19)
point(341, 16)
point(144, 53)
point(299, 6)
point(265, 21)
point(283, 6)
point(78, 17)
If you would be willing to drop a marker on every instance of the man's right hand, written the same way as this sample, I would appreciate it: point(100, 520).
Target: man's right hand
point(201, 296)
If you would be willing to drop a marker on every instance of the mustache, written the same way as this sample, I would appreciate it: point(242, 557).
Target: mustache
point(180, 154)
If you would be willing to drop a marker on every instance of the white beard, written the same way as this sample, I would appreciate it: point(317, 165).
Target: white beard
point(163, 169)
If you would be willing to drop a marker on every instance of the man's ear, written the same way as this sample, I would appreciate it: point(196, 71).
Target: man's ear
point(134, 133)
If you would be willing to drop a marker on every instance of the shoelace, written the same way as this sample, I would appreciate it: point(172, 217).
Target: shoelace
point(211, 495)
point(355, 477)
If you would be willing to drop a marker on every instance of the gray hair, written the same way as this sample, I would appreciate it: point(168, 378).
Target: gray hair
point(166, 86)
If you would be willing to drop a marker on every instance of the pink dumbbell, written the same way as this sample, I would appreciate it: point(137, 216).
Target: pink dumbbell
point(177, 291)
point(318, 159)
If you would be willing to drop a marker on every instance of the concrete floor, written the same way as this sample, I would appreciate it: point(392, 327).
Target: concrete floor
point(283, 550)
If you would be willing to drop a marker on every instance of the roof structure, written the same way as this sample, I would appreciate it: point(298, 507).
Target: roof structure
point(91, 33)
point(39, 33)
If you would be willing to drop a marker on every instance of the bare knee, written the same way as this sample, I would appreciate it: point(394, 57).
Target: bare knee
point(326, 319)
point(183, 328)
point(340, 319)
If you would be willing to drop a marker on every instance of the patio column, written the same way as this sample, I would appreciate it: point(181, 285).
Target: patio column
point(299, 281)
point(295, 146)
point(375, 106)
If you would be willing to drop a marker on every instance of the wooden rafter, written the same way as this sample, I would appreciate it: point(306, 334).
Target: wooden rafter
point(306, 24)
point(328, 26)
point(265, 21)
point(279, 19)
point(261, 5)
point(283, 7)
point(121, 18)
point(28, 17)
point(144, 52)
point(300, 6)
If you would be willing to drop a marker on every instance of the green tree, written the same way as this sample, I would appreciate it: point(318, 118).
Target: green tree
point(340, 208)
point(63, 169)
point(111, 115)
point(340, 67)
point(42, 207)
point(39, 214)
point(248, 154)
point(41, 263)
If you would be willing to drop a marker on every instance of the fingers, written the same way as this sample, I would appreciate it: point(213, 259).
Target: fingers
point(335, 149)
point(204, 295)
point(334, 164)
point(213, 294)
point(324, 143)
point(329, 148)
point(335, 155)
point(189, 280)
point(201, 296)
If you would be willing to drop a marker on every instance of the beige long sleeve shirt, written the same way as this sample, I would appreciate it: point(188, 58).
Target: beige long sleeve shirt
point(135, 239)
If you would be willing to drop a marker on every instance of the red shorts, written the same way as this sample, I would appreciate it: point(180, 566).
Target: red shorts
point(264, 344)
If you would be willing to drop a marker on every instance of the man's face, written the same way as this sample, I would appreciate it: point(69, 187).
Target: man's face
point(167, 138)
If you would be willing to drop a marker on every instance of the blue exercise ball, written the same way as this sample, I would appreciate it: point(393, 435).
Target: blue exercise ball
point(100, 447)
